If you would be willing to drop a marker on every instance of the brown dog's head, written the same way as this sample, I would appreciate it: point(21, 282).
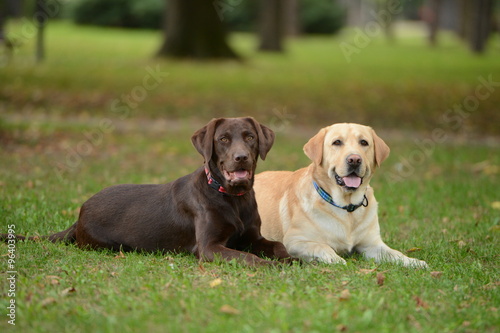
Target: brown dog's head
point(348, 153)
point(231, 147)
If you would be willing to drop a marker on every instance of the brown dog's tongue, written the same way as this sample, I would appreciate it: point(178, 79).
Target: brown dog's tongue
point(352, 181)
point(240, 174)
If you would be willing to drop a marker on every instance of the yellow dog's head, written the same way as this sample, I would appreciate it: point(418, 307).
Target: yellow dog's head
point(348, 153)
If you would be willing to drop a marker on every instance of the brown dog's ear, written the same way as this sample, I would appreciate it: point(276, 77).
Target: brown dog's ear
point(382, 150)
point(266, 137)
point(203, 139)
point(314, 147)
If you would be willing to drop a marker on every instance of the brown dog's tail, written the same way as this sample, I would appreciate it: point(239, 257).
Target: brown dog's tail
point(67, 236)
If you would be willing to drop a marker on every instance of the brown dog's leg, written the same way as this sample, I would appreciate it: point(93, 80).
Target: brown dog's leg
point(269, 249)
point(211, 252)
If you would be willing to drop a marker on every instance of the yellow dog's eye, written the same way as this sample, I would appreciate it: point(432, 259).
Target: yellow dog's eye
point(363, 143)
point(337, 143)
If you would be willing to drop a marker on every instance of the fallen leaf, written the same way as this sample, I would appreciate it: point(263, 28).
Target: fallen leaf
point(495, 205)
point(420, 303)
point(413, 249)
point(367, 271)
point(345, 295)
point(436, 274)
point(461, 243)
point(380, 279)
point(215, 283)
point(414, 322)
point(495, 228)
point(68, 291)
point(342, 328)
point(47, 301)
point(492, 285)
point(229, 310)
point(120, 255)
point(53, 279)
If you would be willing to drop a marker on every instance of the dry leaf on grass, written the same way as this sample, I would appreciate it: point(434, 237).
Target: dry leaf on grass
point(413, 249)
point(345, 295)
point(229, 310)
point(215, 283)
point(68, 291)
point(436, 274)
point(120, 255)
point(420, 302)
point(367, 271)
point(380, 278)
point(46, 302)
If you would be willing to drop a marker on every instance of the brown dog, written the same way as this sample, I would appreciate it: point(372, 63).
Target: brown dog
point(210, 212)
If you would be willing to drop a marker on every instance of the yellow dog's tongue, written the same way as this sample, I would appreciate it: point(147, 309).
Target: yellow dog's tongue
point(352, 181)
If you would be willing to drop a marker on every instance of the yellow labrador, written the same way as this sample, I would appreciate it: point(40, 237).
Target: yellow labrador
point(328, 207)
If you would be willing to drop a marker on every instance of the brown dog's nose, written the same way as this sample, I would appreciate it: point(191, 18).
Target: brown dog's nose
point(354, 160)
point(240, 157)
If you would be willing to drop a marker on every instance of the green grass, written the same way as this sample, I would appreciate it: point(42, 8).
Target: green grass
point(60, 143)
point(445, 210)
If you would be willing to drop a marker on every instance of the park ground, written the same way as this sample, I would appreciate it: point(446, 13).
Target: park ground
point(101, 110)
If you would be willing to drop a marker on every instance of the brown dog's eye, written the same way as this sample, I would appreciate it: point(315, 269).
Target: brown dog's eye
point(250, 138)
point(337, 143)
point(363, 143)
point(224, 139)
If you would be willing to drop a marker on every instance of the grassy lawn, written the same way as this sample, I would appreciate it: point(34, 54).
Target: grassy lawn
point(61, 140)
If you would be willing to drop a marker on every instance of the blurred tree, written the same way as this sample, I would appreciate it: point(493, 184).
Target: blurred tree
point(194, 29)
point(292, 19)
point(322, 16)
point(40, 17)
point(476, 22)
point(481, 24)
point(118, 13)
point(271, 25)
point(3, 19)
point(431, 14)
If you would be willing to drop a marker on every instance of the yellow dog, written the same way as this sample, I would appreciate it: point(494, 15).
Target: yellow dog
point(328, 207)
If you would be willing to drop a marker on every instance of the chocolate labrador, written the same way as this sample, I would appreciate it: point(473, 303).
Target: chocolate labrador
point(211, 212)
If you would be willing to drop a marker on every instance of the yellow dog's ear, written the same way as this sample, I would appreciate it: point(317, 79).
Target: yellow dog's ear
point(314, 147)
point(382, 150)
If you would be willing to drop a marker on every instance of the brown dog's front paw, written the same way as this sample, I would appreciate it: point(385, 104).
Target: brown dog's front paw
point(291, 260)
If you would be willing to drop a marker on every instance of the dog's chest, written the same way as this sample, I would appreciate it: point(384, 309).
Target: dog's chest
point(338, 229)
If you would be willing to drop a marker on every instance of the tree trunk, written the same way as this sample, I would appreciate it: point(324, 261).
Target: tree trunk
point(271, 25)
point(433, 20)
point(193, 29)
point(3, 19)
point(480, 25)
point(40, 17)
point(291, 17)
